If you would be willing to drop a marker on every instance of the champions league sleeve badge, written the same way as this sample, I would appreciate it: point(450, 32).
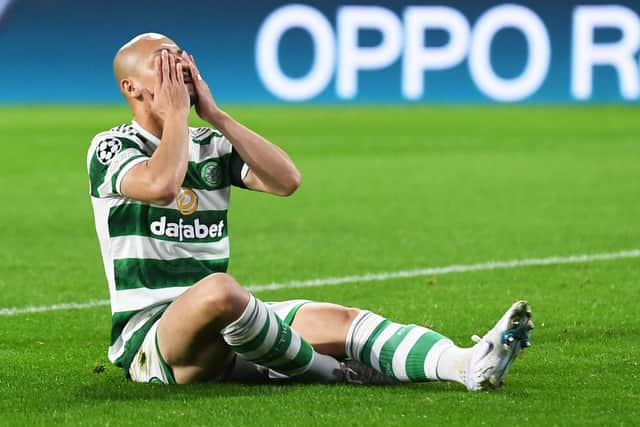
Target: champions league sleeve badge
point(108, 149)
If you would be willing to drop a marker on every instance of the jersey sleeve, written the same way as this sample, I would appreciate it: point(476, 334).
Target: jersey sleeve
point(109, 159)
point(235, 166)
point(238, 169)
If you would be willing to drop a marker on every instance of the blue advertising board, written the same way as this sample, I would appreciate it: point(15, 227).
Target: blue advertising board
point(464, 51)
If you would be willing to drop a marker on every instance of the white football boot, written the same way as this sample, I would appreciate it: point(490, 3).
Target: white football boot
point(494, 353)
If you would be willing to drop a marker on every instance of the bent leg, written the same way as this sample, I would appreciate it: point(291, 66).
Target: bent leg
point(203, 328)
point(189, 331)
point(325, 326)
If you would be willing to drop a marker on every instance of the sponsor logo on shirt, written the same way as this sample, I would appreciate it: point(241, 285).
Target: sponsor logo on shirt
point(187, 201)
point(182, 231)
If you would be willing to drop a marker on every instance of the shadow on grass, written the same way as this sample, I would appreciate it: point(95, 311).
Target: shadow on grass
point(118, 389)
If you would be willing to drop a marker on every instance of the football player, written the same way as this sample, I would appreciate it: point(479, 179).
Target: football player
point(160, 193)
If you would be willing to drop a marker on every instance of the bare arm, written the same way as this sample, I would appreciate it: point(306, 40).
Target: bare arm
point(158, 179)
point(271, 169)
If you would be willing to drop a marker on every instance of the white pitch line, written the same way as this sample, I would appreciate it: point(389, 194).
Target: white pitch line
point(491, 265)
point(371, 277)
point(15, 311)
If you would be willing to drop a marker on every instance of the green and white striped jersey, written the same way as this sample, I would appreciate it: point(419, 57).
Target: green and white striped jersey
point(152, 253)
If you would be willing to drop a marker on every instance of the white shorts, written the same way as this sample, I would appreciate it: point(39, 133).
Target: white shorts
point(148, 366)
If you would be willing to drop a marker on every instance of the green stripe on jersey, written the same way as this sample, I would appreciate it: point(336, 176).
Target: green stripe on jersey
point(98, 170)
point(135, 219)
point(133, 273)
point(209, 174)
point(119, 321)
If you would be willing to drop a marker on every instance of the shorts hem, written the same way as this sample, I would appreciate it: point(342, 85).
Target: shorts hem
point(168, 372)
point(292, 313)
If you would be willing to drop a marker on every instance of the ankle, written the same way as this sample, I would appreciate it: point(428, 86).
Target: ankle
point(453, 363)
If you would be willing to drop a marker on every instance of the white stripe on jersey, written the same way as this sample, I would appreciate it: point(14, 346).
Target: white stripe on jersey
point(208, 200)
point(148, 247)
point(137, 299)
point(213, 200)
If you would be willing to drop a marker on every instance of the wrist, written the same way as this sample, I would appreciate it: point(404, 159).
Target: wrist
point(177, 118)
point(181, 114)
point(216, 117)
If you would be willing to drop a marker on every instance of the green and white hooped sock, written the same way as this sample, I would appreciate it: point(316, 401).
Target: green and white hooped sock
point(261, 337)
point(408, 353)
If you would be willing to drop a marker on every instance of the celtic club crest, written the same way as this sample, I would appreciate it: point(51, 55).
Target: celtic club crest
point(211, 173)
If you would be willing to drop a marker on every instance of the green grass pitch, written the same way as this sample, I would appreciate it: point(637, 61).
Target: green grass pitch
point(384, 189)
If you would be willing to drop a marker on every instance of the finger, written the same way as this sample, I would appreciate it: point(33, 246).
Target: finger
point(186, 62)
point(165, 66)
point(157, 69)
point(185, 56)
point(194, 69)
point(179, 75)
point(172, 68)
point(194, 72)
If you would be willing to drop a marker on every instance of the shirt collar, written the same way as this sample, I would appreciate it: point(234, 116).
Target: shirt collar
point(154, 140)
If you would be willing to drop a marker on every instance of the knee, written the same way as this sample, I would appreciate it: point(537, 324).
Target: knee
point(350, 314)
point(221, 297)
point(343, 316)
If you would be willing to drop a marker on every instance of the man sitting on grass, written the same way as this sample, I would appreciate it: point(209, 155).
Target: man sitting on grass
point(160, 193)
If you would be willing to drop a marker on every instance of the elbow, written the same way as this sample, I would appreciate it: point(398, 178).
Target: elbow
point(165, 200)
point(165, 194)
point(291, 184)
